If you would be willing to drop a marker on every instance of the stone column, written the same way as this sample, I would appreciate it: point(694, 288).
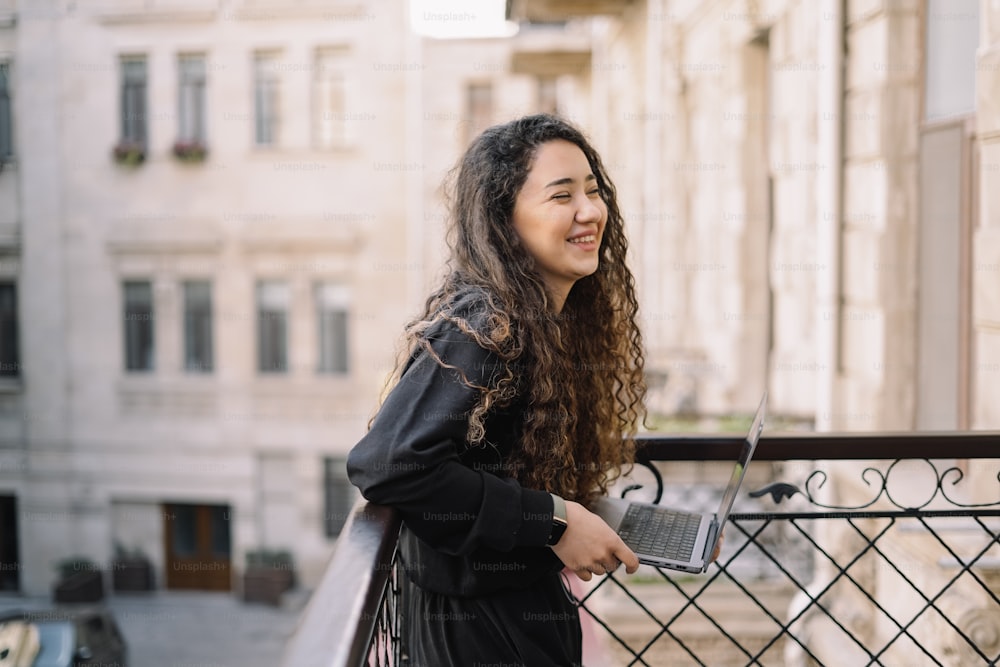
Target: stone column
point(44, 508)
point(878, 315)
point(986, 237)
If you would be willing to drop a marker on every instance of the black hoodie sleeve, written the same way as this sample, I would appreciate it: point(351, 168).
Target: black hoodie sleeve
point(409, 458)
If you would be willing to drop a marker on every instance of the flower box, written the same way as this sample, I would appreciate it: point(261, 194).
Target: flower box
point(190, 151)
point(132, 573)
point(129, 153)
point(267, 576)
point(80, 580)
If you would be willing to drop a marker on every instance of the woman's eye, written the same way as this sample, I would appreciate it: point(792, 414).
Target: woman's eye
point(596, 192)
point(564, 195)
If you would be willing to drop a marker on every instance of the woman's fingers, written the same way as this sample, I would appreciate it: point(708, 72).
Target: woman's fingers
point(627, 558)
point(589, 546)
point(718, 547)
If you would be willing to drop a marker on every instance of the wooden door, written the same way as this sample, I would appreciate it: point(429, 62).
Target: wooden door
point(197, 540)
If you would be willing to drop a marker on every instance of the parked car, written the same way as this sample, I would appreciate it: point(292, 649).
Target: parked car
point(61, 637)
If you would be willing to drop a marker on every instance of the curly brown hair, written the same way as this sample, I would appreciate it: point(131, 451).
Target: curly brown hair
point(581, 370)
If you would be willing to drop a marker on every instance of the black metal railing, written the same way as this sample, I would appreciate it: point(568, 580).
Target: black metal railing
point(352, 616)
point(851, 549)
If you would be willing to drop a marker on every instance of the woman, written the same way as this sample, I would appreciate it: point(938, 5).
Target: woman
point(515, 407)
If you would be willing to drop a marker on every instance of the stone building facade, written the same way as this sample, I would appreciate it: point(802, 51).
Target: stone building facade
point(809, 189)
point(199, 336)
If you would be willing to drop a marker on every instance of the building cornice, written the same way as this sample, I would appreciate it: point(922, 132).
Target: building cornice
point(267, 10)
point(296, 234)
point(270, 234)
point(130, 16)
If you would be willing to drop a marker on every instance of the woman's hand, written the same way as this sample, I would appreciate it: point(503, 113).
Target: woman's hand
point(718, 548)
point(589, 546)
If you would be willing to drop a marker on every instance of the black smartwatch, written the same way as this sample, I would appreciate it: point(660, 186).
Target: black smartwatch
point(558, 520)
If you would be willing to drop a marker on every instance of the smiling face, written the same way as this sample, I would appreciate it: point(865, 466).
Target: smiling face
point(560, 217)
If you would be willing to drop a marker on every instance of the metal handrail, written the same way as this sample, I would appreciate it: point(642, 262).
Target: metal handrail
point(337, 626)
point(823, 446)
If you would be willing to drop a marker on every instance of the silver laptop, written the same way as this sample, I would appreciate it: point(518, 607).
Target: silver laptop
point(672, 538)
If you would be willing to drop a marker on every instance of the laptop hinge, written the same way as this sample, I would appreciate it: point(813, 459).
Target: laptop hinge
point(713, 531)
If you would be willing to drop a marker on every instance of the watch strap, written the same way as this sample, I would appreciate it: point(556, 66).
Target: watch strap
point(559, 521)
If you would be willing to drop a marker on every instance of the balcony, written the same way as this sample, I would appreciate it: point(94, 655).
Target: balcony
point(852, 549)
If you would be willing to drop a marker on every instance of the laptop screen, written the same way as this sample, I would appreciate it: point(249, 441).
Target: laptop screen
point(749, 445)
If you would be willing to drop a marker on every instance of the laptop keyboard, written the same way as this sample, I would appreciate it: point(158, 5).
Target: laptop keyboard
point(660, 532)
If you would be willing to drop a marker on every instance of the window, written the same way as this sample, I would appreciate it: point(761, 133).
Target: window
point(339, 495)
point(479, 98)
point(185, 533)
point(133, 100)
point(138, 326)
point(198, 326)
point(10, 363)
point(266, 98)
point(6, 124)
point(330, 126)
point(219, 525)
point(191, 99)
point(272, 327)
point(950, 61)
point(332, 305)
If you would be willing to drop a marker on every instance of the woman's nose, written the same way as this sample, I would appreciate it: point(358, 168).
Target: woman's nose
point(589, 211)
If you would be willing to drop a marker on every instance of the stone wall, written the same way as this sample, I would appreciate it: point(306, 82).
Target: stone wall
point(986, 237)
point(751, 271)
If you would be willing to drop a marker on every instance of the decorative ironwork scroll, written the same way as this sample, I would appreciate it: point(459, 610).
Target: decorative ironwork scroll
point(879, 481)
point(656, 475)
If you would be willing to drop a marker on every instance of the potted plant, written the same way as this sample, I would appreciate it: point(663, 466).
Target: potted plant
point(190, 150)
point(131, 570)
point(129, 153)
point(268, 574)
point(80, 580)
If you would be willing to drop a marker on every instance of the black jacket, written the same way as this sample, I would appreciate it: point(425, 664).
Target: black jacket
point(469, 529)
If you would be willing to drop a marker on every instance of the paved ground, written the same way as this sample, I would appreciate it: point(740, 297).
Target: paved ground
point(180, 629)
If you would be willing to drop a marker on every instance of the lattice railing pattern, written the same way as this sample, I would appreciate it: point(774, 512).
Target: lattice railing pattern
point(901, 570)
point(888, 588)
point(863, 586)
point(386, 649)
